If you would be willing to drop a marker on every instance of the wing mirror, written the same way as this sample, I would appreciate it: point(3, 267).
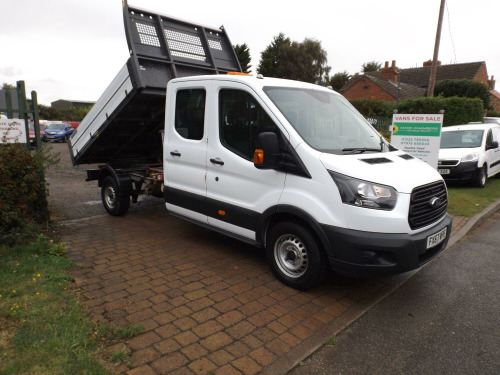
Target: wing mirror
point(491, 145)
point(266, 153)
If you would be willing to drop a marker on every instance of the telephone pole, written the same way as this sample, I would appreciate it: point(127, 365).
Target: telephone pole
point(432, 78)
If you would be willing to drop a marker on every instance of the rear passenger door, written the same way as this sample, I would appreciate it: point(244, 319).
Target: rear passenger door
point(237, 192)
point(185, 150)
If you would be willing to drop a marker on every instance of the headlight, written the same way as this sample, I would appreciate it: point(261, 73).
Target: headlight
point(365, 194)
point(470, 157)
point(61, 132)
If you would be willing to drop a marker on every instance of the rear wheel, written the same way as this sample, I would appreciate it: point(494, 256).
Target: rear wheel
point(480, 177)
point(114, 201)
point(295, 256)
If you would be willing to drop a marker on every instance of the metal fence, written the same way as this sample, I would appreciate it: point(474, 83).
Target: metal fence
point(382, 124)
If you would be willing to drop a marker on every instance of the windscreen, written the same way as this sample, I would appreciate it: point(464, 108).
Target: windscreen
point(325, 121)
point(461, 139)
point(57, 126)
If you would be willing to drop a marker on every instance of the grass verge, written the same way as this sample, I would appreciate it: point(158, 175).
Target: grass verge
point(469, 201)
point(43, 329)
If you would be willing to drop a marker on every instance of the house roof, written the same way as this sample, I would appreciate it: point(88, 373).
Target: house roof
point(495, 93)
point(398, 91)
point(420, 76)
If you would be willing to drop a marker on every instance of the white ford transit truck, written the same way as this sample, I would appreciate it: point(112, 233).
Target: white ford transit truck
point(288, 166)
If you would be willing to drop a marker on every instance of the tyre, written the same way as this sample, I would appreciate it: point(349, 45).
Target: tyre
point(295, 255)
point(480, 177)
point(114, 202)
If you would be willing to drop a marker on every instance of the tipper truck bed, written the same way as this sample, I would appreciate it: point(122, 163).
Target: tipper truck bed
point(123, 128)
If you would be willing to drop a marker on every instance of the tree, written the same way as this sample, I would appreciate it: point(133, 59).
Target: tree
point(8, 86)
point(339, 79)
point(371, 66)
point(463, 88)
point(305, 61)
point(271, 64)
point(243, 54)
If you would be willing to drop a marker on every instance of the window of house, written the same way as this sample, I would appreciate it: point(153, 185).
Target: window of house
point(190, 113)
point(241, 120)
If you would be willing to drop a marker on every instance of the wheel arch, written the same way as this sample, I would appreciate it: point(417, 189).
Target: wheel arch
point(124, 182)
point(282, 213)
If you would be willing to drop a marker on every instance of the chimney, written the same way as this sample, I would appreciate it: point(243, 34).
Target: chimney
point(429, 63)
point(491, 83)
point(390, 73)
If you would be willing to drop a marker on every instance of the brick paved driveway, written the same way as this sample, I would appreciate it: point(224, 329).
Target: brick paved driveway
point(209, 304)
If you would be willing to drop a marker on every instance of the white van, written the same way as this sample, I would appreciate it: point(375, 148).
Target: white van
point(470, 153)
point(295, 168)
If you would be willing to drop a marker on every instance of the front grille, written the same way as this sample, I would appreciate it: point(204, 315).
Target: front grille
point(448, 163)
point(421, 211)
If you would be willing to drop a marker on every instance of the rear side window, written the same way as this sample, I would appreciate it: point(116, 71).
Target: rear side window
point(241, 120)
point(190, 113)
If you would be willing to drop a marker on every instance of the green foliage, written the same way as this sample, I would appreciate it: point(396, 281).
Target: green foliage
point(8, 86)
point(243, 54)
point(371, 66)
point(119, 356)
point(457, 110)
point(463, 88)
point(373, 107)
point(271, 60)
point(73, 114)
point(493, 114)
point(23, 198)
point(339, 79)
point(305, 61)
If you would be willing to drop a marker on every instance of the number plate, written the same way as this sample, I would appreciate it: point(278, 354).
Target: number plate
point(444, 171)
point(437, 238)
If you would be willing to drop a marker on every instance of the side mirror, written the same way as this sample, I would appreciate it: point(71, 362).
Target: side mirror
point(491, 145)
point(266, 153)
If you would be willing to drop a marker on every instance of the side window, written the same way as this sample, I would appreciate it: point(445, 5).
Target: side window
point(241, 120)
point(190, 113)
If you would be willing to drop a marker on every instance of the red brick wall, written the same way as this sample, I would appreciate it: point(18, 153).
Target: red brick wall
point(372, 91)
point(495, 102)
point(482, 75)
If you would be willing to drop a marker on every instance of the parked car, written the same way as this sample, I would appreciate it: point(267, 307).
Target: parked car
point(470, 153)
point(57, 132)
point(32, 132)
point(492, 120)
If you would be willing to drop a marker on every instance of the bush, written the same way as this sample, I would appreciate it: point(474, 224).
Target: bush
point(493, 114)
point(463, 88)
point(23, 198)
point(456, 110)
point(373, 107)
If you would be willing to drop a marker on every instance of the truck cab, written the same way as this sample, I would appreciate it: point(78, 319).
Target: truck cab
point(331, 192)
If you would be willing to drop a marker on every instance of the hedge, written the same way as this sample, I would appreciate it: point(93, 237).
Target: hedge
point(457, 110)
point(463, 88)
point(23, 198)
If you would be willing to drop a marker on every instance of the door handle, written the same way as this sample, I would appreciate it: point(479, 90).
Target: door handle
point(217, 161)
point(175, 153)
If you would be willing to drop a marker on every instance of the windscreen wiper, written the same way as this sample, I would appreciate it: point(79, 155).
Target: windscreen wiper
point(360, 149)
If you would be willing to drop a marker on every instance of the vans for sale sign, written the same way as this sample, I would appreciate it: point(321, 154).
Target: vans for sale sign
point(418, 135)
point(12, 131)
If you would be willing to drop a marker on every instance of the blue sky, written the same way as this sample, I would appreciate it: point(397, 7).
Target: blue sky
point(72, 49)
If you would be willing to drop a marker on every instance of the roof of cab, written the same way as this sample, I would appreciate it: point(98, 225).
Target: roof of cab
point(257, 82)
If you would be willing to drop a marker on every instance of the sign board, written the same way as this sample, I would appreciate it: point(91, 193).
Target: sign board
point(13, 131)
point(418, 135)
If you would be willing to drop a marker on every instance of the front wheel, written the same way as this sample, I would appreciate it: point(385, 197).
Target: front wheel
point(114, 202)
point(295, 256)
point(480, 177)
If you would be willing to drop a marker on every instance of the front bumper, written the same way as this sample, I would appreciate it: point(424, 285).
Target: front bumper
point(366, 254)
point(462, 172)
point(53, 137)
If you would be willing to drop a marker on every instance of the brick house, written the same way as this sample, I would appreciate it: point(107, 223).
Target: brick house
point(495, 100)
point(392, 83)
